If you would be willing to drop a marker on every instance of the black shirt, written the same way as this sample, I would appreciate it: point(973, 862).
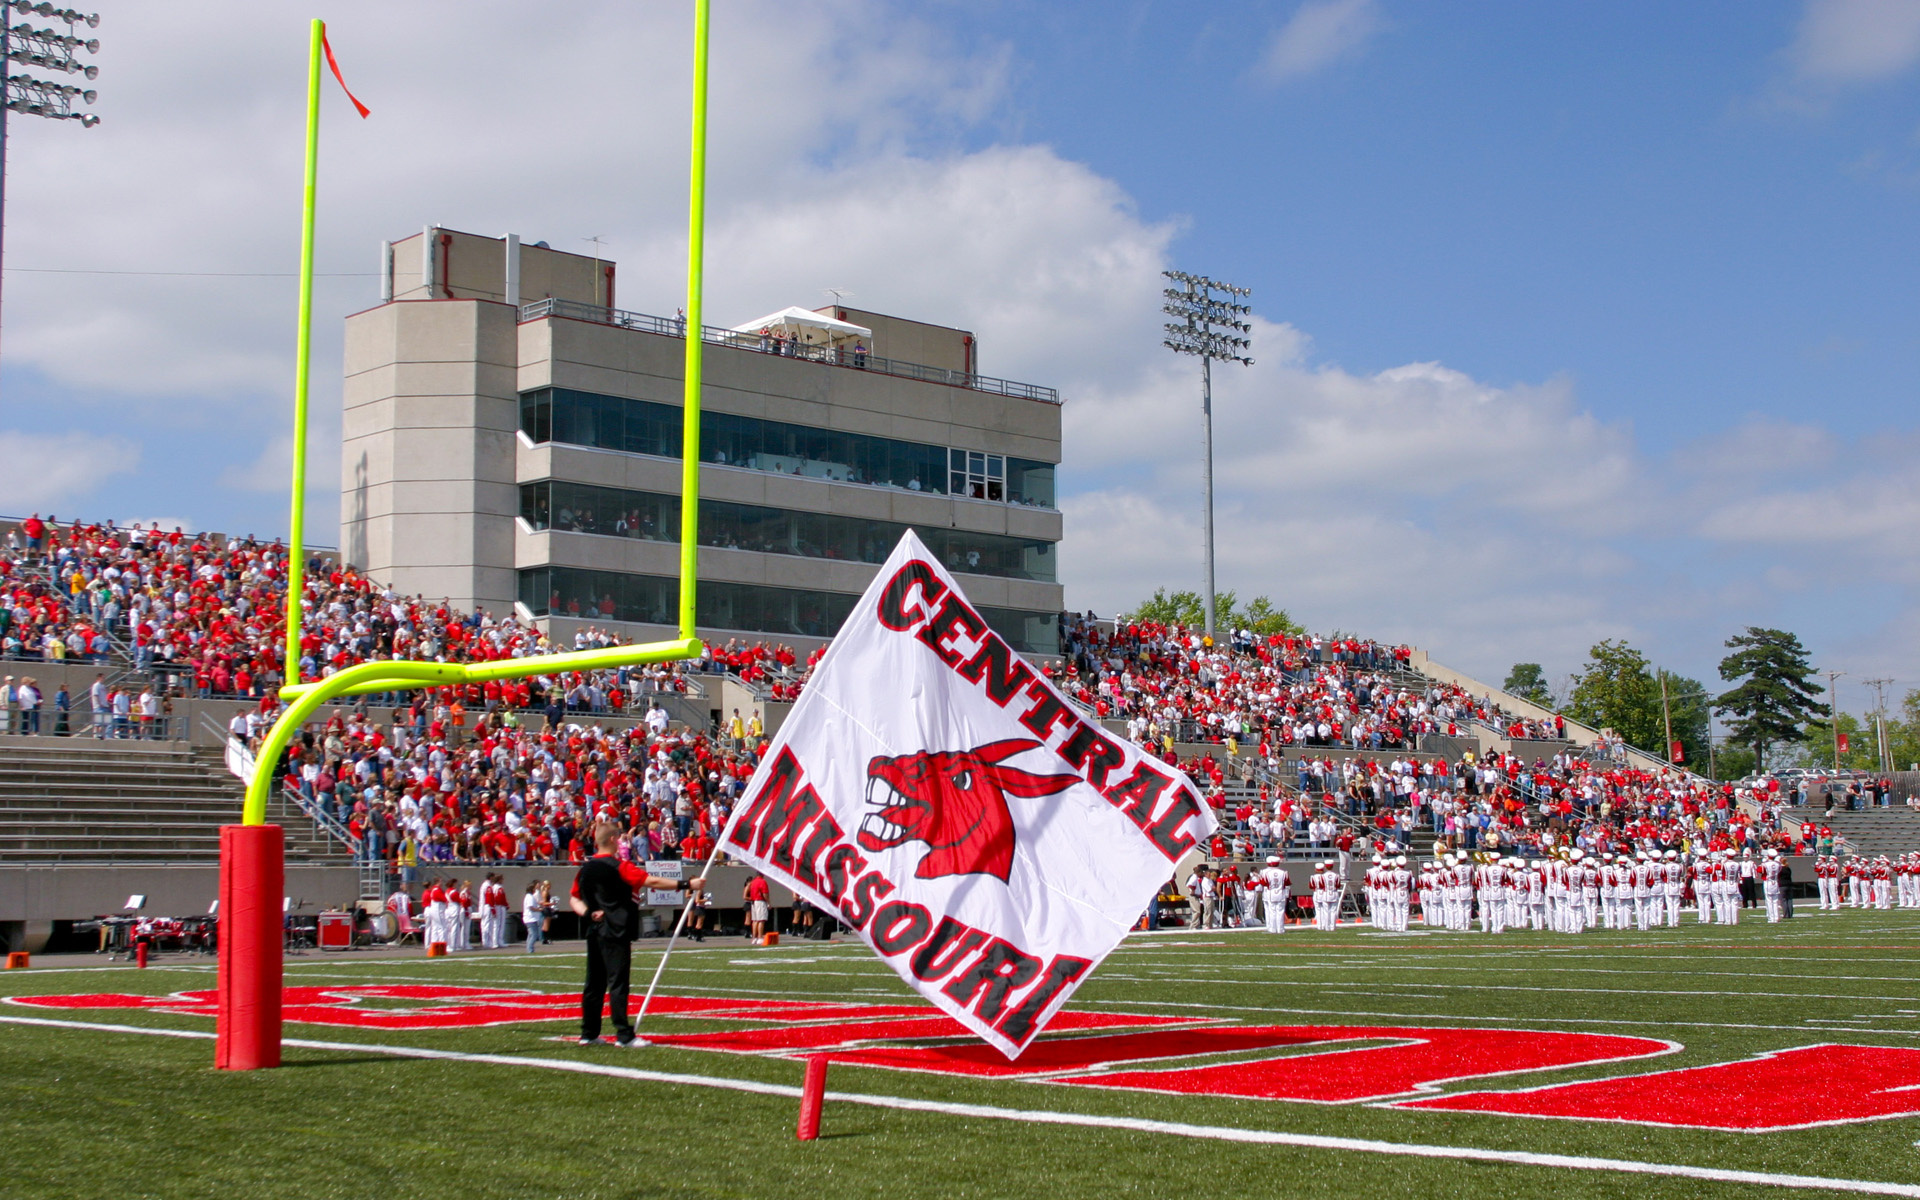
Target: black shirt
point(606, 886)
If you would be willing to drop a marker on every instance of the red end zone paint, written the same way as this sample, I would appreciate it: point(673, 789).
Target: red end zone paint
point(1785, 1089)
point(1789, 1089)
point(1422, 1059)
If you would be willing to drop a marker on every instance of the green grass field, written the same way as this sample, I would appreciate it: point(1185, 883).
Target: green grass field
point(115, 1114)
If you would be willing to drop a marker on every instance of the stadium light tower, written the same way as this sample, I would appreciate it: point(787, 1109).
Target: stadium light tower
point(1209, 323)
point(48, 50)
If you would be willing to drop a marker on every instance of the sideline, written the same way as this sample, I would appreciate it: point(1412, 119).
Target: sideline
point(1089, 1120)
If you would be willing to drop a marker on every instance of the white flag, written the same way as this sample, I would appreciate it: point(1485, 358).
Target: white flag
point(990, 842)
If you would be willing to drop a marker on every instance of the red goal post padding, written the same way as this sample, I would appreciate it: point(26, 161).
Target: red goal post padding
point(252, 882)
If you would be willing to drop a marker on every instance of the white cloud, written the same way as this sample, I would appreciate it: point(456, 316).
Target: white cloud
point(1488, 522)
point(475, 124)
point(269, 471)
point(1855, 41)
point(47, 472)
point(1318, 34)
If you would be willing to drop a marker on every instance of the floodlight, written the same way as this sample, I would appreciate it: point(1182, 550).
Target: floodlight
point(1207, 319)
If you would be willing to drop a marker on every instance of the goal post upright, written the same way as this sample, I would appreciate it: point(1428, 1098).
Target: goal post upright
point(251, 863)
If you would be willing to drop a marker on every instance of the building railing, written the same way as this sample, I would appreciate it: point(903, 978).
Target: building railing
point(787, 348)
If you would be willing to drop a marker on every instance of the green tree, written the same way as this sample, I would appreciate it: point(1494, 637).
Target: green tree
point(1903, 733)
point(1776, 692)
point(1529, 682)
point(1862, 752)
point(1734, 762)
point(1689, 707)
point(1620, 690)
point(1189, 608)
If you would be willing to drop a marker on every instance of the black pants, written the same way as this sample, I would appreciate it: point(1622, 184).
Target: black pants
point(609, 968)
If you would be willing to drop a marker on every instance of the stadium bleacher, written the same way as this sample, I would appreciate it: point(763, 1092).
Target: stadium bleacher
point(1287, 735)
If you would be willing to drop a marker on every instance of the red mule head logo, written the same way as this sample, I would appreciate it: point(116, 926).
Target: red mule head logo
point(956, 802)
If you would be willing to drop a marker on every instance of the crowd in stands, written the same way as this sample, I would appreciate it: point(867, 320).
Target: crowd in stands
point(1173, 683)
point(419, 790)
point(1259, 696)
point(210, 613)
point(541, 756)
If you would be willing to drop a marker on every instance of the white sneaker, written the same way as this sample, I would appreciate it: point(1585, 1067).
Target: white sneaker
point(589, 1041)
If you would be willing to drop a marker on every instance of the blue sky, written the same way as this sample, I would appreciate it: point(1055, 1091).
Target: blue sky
point(1639, 196)
point(1574, 321)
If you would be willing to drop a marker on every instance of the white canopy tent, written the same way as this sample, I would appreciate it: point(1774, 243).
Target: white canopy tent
point(807, 328)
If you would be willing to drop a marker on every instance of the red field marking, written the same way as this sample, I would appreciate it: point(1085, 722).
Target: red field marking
point(1801, 1088)
point(1422, 1059)
point(1052, 1056)
point(925, 1023)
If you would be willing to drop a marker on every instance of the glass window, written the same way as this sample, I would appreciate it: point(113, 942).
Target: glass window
point(1030, 482)
point(728, 439)
point(751, 608)
point(650, 516)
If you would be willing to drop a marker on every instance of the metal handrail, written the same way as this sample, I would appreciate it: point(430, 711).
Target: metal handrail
point(242, 764)
point(553, 306)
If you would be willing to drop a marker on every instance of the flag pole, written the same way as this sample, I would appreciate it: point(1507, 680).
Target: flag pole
point(690, 411)
point(302, 360)
point(661, 967)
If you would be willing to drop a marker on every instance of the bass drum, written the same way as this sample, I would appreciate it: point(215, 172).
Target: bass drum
point(385, 927)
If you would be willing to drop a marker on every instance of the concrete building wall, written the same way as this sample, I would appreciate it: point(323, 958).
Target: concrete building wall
point(912, 341)
point(433, 457)
point(429, 413)
point(468, 266)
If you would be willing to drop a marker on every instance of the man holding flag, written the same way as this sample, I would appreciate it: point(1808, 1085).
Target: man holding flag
point(606, 894)
point(942, 798)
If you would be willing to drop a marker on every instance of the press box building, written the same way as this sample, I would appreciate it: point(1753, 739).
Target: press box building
point(512, 441)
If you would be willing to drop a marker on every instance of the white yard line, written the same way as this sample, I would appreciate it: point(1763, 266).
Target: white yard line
point(1462, 1017)
point(1084, 1120)
point(1517, 987)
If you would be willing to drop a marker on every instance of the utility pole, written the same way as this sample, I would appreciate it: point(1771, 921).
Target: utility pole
point(1666, 716)
point(1198, 311)
point(1833, 711)
point(1882, 752)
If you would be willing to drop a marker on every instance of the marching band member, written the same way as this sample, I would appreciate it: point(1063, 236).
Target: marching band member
point(1326, 897)
point(493, 913)
point(1642, 892)
point(1770, 886)
point(460, 913)
point(1275, 888)
point(1458, 878)
point(1537, 894)
point(400, 904)
point(1727, 886)
point(434, 899)
point(1674, 882)
point(1493, 897)
point(1400, 884)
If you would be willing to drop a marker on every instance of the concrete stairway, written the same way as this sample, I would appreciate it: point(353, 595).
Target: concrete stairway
point(1873, 831)
point(78, 801)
